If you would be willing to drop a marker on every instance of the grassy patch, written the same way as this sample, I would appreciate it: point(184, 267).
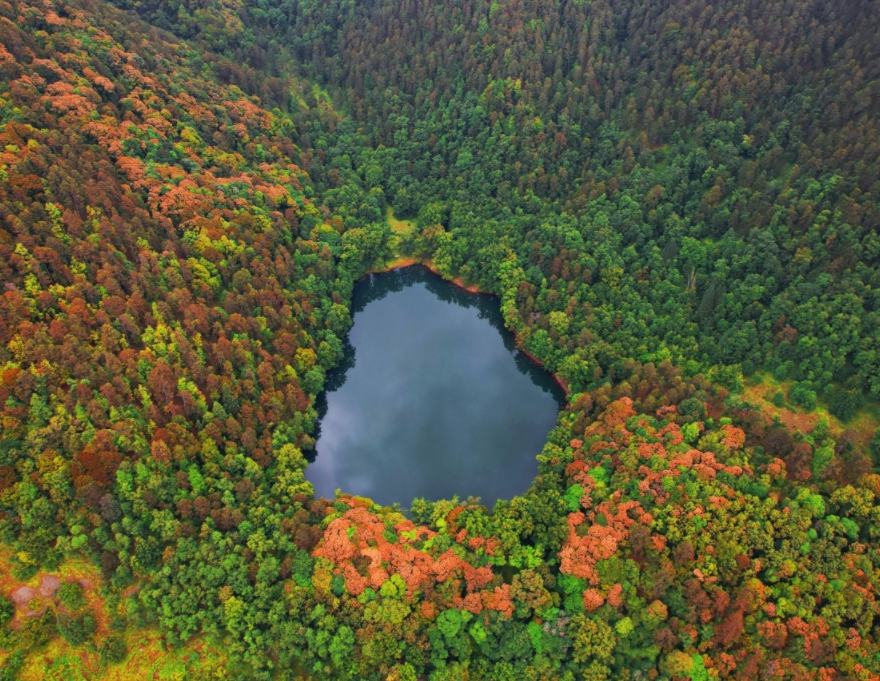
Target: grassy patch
point(760, 390)
point(398, 226)
point(146, 658)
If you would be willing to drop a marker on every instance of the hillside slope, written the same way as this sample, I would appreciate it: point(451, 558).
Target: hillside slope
point(710, 165)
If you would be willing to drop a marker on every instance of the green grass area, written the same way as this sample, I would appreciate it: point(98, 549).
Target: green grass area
point(762, 388)
point(398, 226)
point(148, 658)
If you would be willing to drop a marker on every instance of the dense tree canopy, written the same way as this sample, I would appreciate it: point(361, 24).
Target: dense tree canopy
point(665, 197)
point(711, 165)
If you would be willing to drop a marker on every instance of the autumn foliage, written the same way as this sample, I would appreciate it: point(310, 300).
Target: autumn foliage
point(183, 215)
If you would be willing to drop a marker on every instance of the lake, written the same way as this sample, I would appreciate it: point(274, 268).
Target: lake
point(432, 400)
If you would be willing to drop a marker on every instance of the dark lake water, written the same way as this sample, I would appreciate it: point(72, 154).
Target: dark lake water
point(433, 399)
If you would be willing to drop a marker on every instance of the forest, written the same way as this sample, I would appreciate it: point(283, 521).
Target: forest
point(677, 206)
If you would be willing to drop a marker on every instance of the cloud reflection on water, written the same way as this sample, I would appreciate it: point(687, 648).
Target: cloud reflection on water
point(436, 403)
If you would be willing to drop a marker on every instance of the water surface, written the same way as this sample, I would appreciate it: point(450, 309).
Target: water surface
point(432, 400)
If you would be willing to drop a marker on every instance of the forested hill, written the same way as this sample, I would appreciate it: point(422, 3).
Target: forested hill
point(803, 72)
point(707, 169)
point(677, 207)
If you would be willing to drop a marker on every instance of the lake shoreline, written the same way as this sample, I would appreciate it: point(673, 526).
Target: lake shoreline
point(402, 263)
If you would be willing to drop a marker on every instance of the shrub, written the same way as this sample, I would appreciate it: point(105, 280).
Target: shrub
point(803, 396)
point(76, 629)
point(113, 649)
point(71, 596)
point(7, 611)
point(844, 402)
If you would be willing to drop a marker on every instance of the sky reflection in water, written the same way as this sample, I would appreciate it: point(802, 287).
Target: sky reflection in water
point(433, 399)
